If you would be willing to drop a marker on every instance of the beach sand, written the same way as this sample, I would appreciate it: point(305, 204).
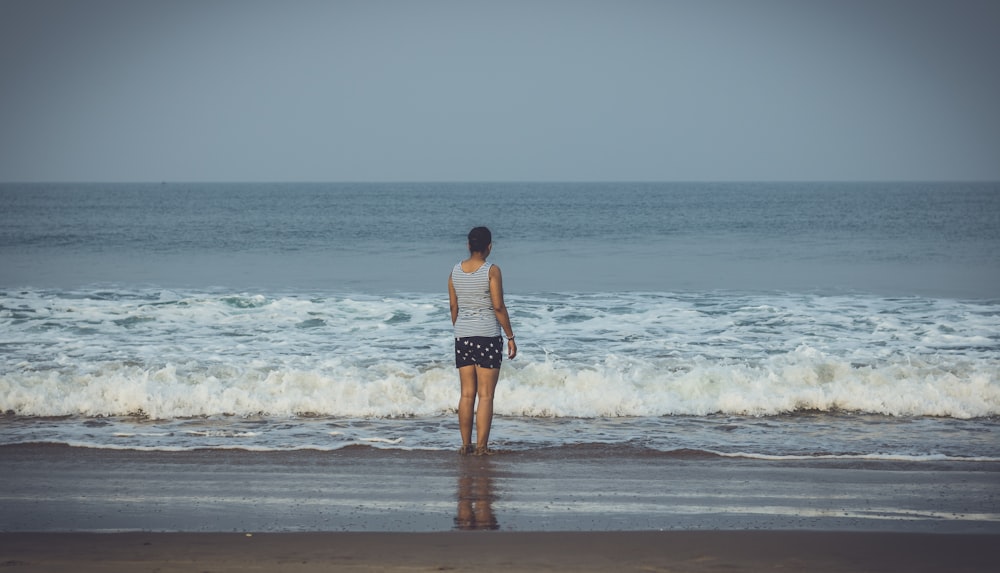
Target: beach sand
point(566, 509)
point(695, 551)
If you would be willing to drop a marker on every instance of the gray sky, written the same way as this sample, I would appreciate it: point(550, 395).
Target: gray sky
point(135, 90)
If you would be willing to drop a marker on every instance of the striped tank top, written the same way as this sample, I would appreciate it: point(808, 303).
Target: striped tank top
point(476, 316)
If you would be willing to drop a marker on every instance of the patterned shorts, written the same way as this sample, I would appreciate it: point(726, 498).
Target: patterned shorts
point(482, 351)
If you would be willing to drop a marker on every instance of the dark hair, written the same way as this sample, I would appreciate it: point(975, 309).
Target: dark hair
point(479, 239)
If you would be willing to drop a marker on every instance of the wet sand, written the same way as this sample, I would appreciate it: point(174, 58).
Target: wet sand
point(695, 551)
point(568, 509)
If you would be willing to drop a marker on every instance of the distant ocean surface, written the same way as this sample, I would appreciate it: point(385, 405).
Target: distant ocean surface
point(785, 321)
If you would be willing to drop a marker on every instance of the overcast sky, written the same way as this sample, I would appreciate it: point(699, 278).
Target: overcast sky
point(572, 90)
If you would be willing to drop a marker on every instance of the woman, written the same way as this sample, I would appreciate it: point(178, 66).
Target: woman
point(475, 292)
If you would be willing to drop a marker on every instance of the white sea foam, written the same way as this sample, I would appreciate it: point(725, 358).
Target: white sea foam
point(891, 457)
point(802, 380)
point(168, 354)
point(619, 386)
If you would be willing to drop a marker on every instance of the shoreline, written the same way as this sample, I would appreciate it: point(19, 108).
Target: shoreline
point(569, 510)
point(50, 488)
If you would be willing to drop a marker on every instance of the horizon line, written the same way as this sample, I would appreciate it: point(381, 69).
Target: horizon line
point(480, 181)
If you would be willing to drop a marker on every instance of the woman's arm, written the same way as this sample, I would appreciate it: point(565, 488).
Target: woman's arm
point(496, 296)
point(452, 301)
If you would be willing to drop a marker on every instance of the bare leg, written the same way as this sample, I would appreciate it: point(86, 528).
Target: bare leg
point(467, 403)
point(487, 385)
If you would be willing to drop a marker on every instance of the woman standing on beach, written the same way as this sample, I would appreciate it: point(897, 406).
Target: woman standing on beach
point(475, 293)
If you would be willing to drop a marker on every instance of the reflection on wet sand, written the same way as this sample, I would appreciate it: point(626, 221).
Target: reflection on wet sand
point(475, 496)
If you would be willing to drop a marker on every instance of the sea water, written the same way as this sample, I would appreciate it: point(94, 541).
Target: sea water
point(763, 320)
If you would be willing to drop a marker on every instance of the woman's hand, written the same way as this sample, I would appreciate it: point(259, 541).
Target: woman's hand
point(511, 348)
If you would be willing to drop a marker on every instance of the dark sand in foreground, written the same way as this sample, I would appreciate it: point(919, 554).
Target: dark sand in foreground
point(695, 551)
point(568, 509)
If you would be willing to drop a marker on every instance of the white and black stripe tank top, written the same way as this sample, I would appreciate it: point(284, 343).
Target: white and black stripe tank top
point(476, 316)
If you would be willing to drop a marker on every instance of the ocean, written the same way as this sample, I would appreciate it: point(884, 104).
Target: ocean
point(767, 320)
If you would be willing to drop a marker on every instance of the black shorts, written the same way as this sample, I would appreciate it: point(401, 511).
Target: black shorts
point(482, 351)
